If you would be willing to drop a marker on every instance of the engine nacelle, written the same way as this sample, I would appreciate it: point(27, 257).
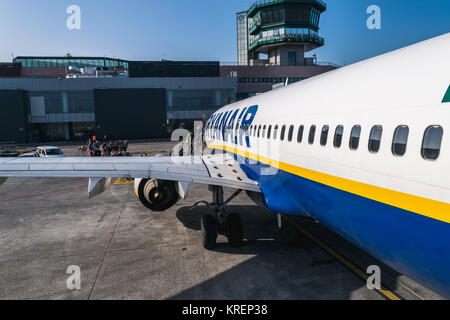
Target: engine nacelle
point(156, 195)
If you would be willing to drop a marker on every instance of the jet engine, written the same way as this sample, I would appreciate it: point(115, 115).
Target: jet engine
point(156, 195)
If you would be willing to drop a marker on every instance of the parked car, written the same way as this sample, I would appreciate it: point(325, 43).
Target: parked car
point(49, 152)
point(33, 154)
point(9, 154)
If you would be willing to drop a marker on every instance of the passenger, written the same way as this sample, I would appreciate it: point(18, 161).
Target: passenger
point(105, 150)
point(110, 148)
point(116, 148)
point(98, 151)
point(121, 148)
point(90, 147)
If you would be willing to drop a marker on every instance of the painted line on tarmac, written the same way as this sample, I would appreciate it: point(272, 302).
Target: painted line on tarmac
point(44, 193)
point(383, 291)
point(123, 181)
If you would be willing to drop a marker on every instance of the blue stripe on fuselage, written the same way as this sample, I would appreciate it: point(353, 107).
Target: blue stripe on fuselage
point(410, 243)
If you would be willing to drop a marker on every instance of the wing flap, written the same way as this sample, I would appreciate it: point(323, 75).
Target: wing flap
point(220, 170)
point(54, 167)
point(14, 166)
point(94, 167)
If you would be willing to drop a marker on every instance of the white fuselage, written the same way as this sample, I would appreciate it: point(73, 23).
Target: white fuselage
point(395, 205)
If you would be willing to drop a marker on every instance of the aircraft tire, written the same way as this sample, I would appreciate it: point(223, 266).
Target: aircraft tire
point(209, 231)
point(234, 230)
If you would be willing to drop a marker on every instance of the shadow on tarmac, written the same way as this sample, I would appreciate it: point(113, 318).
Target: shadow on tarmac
point(282, 264)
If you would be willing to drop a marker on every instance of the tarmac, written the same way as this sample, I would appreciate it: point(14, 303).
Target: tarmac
point(124, 251)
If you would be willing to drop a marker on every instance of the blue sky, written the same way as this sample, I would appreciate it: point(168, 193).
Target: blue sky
point(202, 29)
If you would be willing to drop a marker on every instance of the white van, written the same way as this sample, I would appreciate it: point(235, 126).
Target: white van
point(49, 152)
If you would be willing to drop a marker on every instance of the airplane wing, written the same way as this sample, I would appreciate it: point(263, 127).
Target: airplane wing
point(218, 170)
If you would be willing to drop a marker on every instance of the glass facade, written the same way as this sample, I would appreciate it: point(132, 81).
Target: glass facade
point(185, 100)
point(41, 132)
point(66, 101)
point(292, 58)
point(242, 37)
point(285, 34)
point(53, 62)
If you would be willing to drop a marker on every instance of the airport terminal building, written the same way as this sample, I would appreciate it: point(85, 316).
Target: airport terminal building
point(149, 102)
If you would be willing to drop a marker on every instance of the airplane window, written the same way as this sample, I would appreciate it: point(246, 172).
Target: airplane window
point(269, 131)
point(264, 132)
point(431, 145)
point(290, 133)
point(283, 132)
point(338, 136)
point(312, 134)
point(354, 138)
point(324, 135)
point(275, 132)
point(375, 139)
point(300, 133)
point(259, 131)
point(400, 140)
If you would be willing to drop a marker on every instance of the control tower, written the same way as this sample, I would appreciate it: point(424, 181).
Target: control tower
point(279, 32)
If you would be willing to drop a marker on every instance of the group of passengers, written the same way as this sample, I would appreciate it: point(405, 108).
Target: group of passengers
point(118, 148)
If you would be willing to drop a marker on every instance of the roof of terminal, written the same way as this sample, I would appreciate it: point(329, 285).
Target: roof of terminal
point(64, 61)
point(264, 3)
point(67, 58)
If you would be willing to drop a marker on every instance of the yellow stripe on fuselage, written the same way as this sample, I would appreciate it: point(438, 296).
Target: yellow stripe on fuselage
point(423, 206)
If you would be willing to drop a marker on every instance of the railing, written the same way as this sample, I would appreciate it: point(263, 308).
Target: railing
point(191, 114)
point(319, 63)
point(327, 63)
point(285, 37)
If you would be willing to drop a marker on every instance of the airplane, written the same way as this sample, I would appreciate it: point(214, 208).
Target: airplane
point(362, 149)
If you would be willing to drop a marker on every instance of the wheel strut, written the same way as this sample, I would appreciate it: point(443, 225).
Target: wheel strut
point(229, 225)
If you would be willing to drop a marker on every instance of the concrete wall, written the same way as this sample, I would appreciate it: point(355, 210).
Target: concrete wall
point(59, 72)
point(13, 116)
point(283, 55)
point(130, 113)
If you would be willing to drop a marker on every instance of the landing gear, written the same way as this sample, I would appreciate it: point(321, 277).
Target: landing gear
point(234, 230)
point(209, 231)
point(220, 222)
